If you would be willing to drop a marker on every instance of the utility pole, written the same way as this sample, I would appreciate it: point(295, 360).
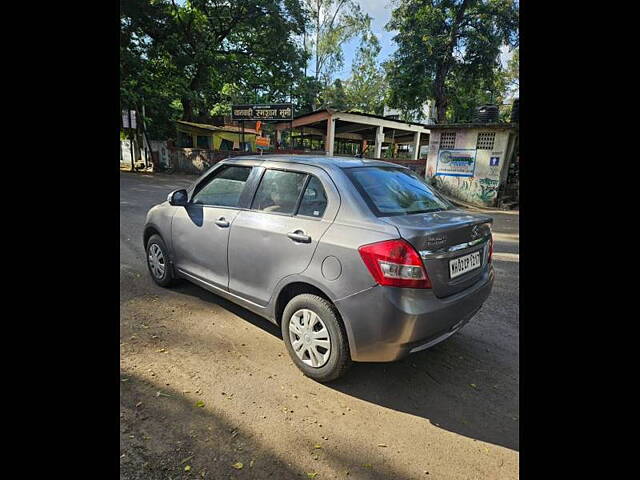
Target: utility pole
point(133, 165)
point(144, 132)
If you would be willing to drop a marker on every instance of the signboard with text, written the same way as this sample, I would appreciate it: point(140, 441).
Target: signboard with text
point(456, 163)
point(279, 111)
point(262, 142)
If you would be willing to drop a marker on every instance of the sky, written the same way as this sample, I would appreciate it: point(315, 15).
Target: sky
point(380, 12)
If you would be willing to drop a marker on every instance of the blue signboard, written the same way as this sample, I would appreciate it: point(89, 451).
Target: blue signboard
point(456, 163)
point(494, 161)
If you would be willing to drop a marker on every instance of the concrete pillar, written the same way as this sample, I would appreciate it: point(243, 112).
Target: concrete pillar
point(278, 138)
point(331, 133)
point(379, 140)
point(416, 145)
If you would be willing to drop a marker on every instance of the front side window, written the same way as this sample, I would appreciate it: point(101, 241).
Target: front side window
point(395, 191)
point(279, 191)
point(314, 200)
point(224, 189)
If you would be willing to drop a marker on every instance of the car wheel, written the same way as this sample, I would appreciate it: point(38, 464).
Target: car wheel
point(158, 261)
point(315, 337)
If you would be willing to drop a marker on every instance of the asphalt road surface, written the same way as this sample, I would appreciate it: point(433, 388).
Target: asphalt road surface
point(208, 390)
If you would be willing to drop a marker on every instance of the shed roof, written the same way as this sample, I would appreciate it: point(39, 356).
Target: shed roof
point(355, 112)
point(459, 126)
point(213, 128)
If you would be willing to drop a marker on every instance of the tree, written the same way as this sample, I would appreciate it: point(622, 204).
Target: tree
point(444, 44)
point(332, 23)
point(189, 52)
point(335, 96)
point(366, 87)
point(512, 74)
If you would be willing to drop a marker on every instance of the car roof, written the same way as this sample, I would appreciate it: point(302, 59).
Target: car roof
point(321, 161)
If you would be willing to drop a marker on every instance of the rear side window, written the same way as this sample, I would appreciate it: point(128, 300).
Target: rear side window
point(224, 189)
point(279, 191)
point(395, 191)
point(314, 200)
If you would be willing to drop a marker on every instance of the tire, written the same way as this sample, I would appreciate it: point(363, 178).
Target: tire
point(156, 244)
point(335, 360)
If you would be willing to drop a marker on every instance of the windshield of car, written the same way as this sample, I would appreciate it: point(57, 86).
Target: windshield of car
point(395, 191)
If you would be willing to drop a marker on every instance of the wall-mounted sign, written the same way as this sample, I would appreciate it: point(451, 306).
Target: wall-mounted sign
point(280, 111)
point(456, 163)
point(262, 142)
point(494, 161)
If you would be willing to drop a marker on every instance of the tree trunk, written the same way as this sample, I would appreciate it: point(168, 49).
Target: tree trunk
point(441, 99)
point(440, 94)
point(187, 109)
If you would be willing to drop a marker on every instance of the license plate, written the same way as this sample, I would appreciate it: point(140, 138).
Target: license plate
point(466, 263)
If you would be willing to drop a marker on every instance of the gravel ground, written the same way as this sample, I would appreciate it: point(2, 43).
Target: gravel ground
point(208, 390)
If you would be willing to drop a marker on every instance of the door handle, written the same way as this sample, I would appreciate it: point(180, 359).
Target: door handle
point(222, 222)
point(299, 236)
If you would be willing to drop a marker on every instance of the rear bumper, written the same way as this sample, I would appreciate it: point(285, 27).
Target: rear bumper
point(386, 323)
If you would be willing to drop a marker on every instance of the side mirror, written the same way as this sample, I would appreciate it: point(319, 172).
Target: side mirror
point(178, 198)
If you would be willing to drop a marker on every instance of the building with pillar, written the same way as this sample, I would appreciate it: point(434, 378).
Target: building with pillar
point(356, 133)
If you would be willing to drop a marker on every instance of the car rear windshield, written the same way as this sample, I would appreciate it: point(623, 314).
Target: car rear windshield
point(395, 191)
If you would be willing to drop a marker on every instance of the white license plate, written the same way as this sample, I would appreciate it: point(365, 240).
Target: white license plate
point(464, 264)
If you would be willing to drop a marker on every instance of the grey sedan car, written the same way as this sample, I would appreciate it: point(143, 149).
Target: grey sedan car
point(355, 260)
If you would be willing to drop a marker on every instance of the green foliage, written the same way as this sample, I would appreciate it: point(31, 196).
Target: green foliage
point(446, 47)
point(367, 85)
point(334, 96)
point(190, 52)
point(331, 24)
point(511, 75)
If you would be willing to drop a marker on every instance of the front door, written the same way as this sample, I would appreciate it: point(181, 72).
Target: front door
point(200, 231)
point(279, 234)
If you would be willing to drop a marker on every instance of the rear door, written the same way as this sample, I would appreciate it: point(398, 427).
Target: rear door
point(200, 231)
point(291, 209)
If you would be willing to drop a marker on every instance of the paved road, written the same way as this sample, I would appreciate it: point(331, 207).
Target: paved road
point(206, 384)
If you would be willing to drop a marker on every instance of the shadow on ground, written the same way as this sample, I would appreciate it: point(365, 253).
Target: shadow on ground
point(161, 434)
point(463, 385)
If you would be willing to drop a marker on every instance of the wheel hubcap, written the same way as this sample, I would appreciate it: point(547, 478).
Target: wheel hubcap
point(309, 338)
point(156, 261)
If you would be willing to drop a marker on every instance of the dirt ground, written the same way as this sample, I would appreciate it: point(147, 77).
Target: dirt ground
point(208, 390)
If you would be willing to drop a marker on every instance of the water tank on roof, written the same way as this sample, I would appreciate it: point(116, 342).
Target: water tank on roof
point(487, 114)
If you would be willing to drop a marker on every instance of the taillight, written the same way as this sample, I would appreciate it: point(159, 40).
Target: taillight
point(395, 263)
point(490, 249)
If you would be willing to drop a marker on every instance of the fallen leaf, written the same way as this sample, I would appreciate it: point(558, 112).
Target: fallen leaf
point(473, 385)
point(312, 474)
point(317, 446)
point(200, 403)
point(382, 445)
point(238, 465)
point(187, 468)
